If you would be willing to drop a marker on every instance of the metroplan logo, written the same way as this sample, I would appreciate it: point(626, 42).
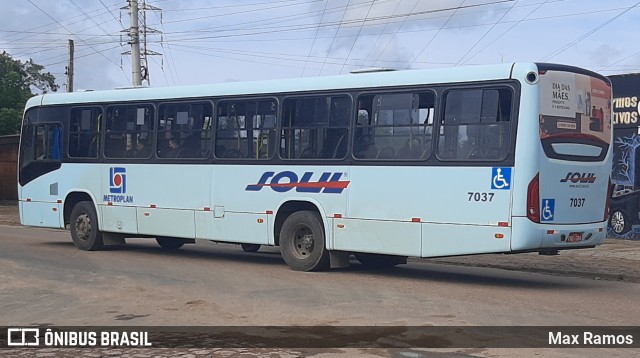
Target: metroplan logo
point(327, 182)
point(118, 186)
point(118, 180)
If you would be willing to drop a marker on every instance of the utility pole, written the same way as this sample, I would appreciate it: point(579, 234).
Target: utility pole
point(144, 49)
point(70, 67)
point(134, 33)
point(139, 50)
point(134, 41)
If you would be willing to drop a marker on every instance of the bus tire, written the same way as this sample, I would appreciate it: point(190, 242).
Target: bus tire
point(250, 247)
point(84, 227)
point(302, 242)
point(379, 260)
point(619, 222)
point(169, 243)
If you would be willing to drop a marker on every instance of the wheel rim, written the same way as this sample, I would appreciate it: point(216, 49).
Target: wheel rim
point(617, 222)
point(303, 242)
point(83, 226)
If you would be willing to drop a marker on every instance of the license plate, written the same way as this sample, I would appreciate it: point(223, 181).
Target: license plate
point(574, 237)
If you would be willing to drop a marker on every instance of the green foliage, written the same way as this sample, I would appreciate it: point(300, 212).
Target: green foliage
point(10, 121)
point(17, 79)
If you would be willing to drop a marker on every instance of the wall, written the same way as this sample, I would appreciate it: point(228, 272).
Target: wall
point(626, 155)
point(8, 167)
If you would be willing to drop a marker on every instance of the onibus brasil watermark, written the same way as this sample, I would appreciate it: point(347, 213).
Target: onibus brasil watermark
point(36, 337)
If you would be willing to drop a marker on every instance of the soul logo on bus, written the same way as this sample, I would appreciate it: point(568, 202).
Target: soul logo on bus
point(282, 182)
point(577, 177)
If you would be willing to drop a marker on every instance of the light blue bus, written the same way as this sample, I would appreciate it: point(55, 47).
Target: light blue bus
point(505, 158)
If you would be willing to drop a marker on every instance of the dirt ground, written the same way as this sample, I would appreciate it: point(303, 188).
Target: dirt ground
point(615, 260)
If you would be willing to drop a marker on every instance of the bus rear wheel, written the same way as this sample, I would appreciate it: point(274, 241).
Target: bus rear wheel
point(169, 243)
point(302, 242)
point(84, 227)
point(379, 260)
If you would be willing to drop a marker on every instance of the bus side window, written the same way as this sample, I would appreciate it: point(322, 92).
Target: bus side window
point(399, 126)
point(184, 130)
point(475, 125)
point(83, 132)
point(129, 129)
point(45, 143)
point(315, 127)
point(363, 146)
point(246, 129)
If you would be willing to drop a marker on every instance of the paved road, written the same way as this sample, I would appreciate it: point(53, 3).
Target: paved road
point(45, 281)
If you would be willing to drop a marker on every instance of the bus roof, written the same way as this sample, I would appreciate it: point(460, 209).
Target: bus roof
point(363, 80)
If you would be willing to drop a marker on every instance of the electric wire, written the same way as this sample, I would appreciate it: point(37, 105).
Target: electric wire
point(357, 36)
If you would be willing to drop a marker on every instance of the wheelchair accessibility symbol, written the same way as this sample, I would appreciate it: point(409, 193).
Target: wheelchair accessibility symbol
point(501, 178)
point(546, 212)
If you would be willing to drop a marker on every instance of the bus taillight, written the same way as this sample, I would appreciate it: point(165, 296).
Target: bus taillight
point(533, 199)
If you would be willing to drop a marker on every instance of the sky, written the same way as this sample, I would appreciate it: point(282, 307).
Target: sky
point(211, 41)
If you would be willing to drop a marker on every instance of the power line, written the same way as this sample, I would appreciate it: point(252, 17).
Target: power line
point(82, 56)
point(239, 5)
point(589, 33)
point(271, 30)
point(70, 32)
point(278, 20)
point(617, 62)
point(235, 13)
point(506, 31)
point(334, 37)
point(387, 24)
point(437, 33)
point(486, 33)
point(357, 35)
point(170, 58)
point(282, 56)
point(315, 37)
point(33, 30)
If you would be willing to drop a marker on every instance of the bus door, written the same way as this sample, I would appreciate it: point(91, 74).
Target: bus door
point(245, 138)
point(40, 157)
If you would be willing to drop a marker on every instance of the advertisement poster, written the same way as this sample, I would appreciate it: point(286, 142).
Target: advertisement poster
point(574, 103)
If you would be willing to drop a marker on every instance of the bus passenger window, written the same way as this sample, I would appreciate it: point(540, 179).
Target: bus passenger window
point(184, 130)
point(315, 127)
point(84, 132)
point(129, 129)
point(246, 129)
point(43, 142)
point(394, 126)
point(475, 125)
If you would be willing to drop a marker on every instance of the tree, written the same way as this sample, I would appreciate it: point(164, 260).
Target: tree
point(17, 79)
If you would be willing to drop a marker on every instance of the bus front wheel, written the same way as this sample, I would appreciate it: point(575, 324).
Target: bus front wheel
point(250, 247)
point(302, 242)
point(84, 227)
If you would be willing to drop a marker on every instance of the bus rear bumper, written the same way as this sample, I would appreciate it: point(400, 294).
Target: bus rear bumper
point(527, 235)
